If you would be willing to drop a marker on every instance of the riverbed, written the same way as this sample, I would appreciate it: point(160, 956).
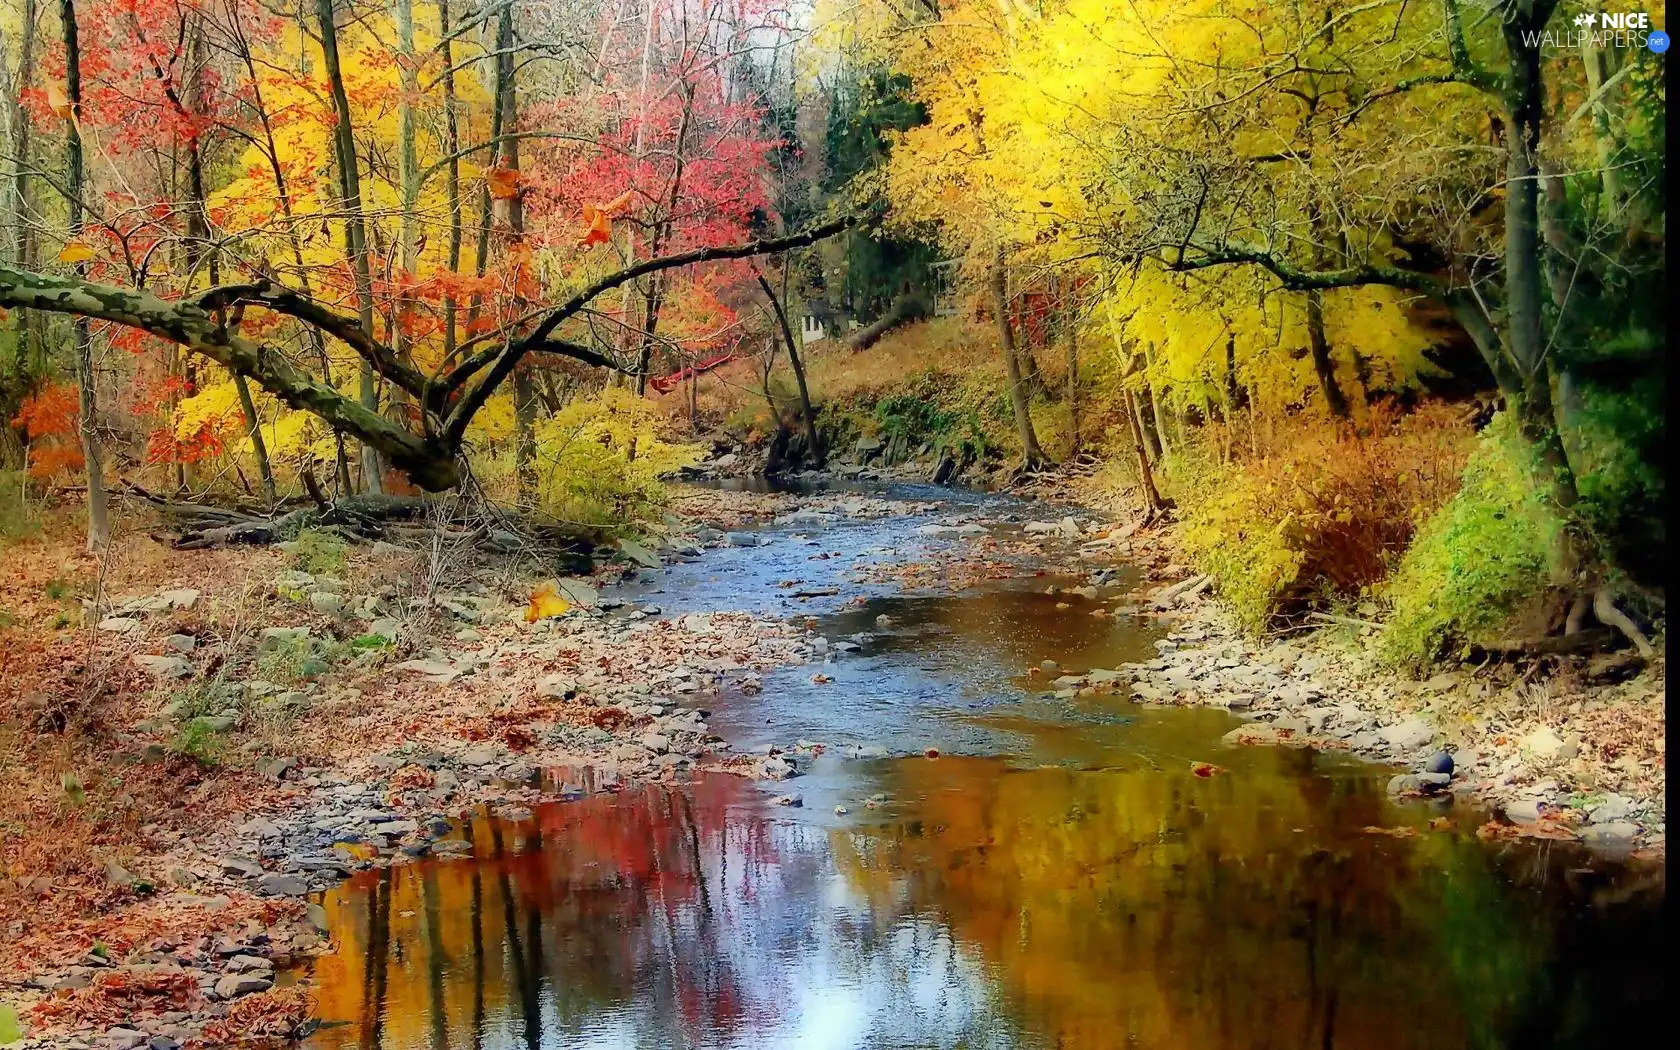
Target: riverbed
point(966, 860)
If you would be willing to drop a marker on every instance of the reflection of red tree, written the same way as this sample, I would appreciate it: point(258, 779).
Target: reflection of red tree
point(643, 856)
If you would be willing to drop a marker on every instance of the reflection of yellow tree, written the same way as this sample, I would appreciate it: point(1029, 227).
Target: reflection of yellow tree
point(1142, 909)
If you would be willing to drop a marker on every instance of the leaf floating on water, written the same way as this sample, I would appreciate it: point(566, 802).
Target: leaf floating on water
point(546, 602)
point(1406, 832)
point(820, 679)
point(1206, 769)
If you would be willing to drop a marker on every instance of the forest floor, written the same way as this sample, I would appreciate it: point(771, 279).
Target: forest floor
point(233, 730)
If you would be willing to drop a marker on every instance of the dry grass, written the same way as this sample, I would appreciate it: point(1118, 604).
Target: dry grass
point(946, 345)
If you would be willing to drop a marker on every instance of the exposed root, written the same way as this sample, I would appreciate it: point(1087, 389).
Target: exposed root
point(1605, 609)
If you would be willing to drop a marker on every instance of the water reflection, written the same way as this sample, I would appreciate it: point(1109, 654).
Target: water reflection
point(987, 906)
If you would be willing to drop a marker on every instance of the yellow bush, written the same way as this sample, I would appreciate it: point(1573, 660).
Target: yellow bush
point(599, 462)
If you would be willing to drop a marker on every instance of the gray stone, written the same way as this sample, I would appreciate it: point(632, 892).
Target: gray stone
point(234, 985)
point(1409, 735)
point(213, 723)
point(1523, 811)
point(280, 637)
point(243, 867)
point(658, 743)
point(1543, 745)
point(1439, 762)
point(119, 624)
point(1403, 783)
point(1611, 833)
point(1431, 783)
point(164, 666)
point(386, 627)
point(1289, 724)
point(639, 554)
point(479, 756)
point(317, 916)
point(327, 603)
point(118, 876)
point(121, 1038)
point(578, 592)
point(1613, 808)
point(279, 884)
point(744, 539)
point(181, 643)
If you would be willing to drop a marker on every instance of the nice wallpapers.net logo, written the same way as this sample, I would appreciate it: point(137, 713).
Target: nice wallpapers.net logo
point(1603, 29)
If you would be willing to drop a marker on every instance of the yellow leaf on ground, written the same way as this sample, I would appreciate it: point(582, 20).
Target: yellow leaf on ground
point(545, 602)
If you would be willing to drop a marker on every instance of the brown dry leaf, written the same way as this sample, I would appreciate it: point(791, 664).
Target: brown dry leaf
point(1441, 824)
point(820, 679)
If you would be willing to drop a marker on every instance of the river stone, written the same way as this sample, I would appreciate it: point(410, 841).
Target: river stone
point(1431, 783)
point(1439, 762)
point(279, 884)
point(122, 1038)
point(1403, 783)
point(164, 666)
point(658, 743)
point(639, 554)
point(1543, 745)
point(280, 637)
point(1613, 808)
point(1523, 811)
point(1409, 735)
point(1611, 833)
point(326, 603)
point(1258, 733)
point(119, 624)
point(234, 985)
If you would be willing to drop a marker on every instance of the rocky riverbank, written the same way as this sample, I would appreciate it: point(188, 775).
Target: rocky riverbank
point(315, 724)
point(1578, 756)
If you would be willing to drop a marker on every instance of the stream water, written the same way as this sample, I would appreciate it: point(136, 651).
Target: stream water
point(1056, 877)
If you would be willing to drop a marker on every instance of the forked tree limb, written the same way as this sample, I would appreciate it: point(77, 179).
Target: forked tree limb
point(429, 458)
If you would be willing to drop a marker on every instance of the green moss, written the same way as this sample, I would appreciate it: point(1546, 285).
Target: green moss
point(1478, 559)
point(318, 552)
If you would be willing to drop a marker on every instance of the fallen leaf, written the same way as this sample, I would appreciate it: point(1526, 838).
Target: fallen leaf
point(1441, 824)
point(932, 752)
point(545, 602)
point(1393, 833)
point(1206, 769)
point(820, 679)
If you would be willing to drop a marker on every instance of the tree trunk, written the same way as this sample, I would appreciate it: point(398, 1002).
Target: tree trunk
point(806, 416)
point(1070, 341)
point(452, 187)
point(907, 307)
point(1032, 456)
point(18, 187)
point(662, 232)
point(408, 181)
point(524, 389)
point(355, 230)
point(1525, 338)
point(1156, 412)
point(1319, 346)
point(259, 447)
point(99, 529)
point(1146, 477)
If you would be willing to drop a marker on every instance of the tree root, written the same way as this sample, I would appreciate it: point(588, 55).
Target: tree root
point(1605, 609)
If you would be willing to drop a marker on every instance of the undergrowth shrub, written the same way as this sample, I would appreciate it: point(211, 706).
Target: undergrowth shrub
point(599, 462)
point(1315, 511)
point(1478, 559)
point(319, 552)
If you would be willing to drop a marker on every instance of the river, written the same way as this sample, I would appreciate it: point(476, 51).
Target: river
point(1023, 872)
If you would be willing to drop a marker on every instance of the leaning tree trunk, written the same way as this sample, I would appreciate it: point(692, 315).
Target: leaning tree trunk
point(907, 307)
point(1154, 504)
point(99, 528)
point(813, 450)
point(1032, 456)
point(1319, 347)
point(355, 229)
